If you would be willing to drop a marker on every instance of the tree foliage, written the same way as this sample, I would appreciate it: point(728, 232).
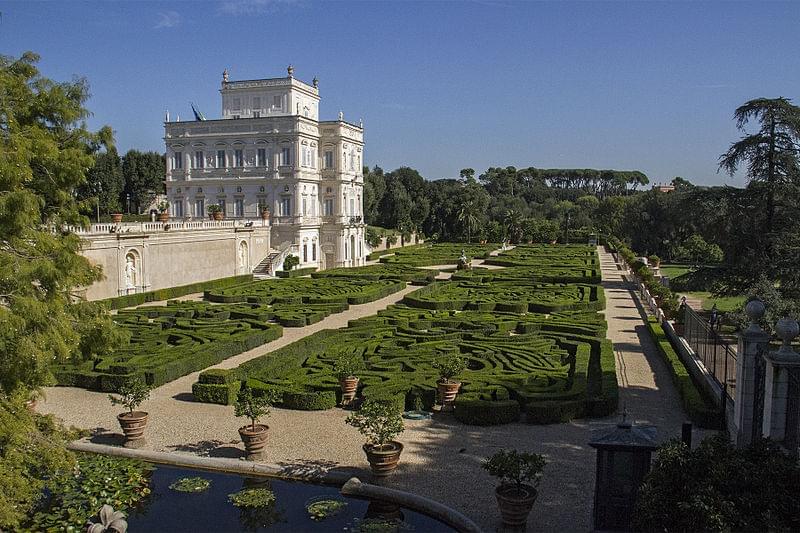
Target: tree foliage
point(45, 154)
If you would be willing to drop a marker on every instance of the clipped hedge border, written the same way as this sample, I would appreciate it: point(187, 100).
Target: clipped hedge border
point(702, 412)
point(131, 300)
point(478, 412)
point(295, 273)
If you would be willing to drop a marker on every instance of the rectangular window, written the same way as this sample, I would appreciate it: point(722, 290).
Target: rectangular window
point(199, 208)
point(276, 101)
point(305, 253)
point(312, 157)
point(236, 103)
point(352, 207)
point(238, 208)
point(352, 162)
point(328, 206)
point(177, 209)
point(286, 206)
point(177, 160)
point(256, 102)
point(328, 159)
point(313, 251)
point(220, 158)
point(286, 156)
point(261, 157)
point(199, 161)
point(305, 206)
point(221, 203)
point(238, 158)
point(256, 114)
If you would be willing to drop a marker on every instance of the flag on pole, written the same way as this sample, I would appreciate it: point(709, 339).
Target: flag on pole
point(197, 114)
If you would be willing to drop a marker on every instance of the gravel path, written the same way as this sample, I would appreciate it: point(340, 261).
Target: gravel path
point(442, 457)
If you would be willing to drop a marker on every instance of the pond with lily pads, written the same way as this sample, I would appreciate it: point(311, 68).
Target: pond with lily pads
point(192, 501)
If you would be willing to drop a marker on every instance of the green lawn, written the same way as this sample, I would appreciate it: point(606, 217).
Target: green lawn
point(724, 303)
point(673, 271)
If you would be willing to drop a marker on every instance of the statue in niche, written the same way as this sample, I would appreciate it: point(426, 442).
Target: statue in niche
point(243, 255)
point(130, 272)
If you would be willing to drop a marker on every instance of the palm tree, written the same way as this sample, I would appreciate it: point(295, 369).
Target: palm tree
point(513, 220)
point(772, 152)
point(468, 216)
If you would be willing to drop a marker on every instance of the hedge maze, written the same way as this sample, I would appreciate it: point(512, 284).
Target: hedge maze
point(534, 350)
point(170, 341)
point(417, 276)
point(438, 254)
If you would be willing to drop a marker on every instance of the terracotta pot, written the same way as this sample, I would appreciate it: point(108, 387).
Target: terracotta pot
point(133, 425)
point(163, 217)
point(349, 389)
point(116, 217)
point(447, 393)
point(383, 461)
point(515, 506)
point(265, 214)
point(254, 441)
point(217, 215)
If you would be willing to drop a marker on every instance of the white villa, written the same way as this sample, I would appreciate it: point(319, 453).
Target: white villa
point(270, 153)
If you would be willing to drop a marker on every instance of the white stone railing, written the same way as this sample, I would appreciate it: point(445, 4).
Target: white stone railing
point(172, 225)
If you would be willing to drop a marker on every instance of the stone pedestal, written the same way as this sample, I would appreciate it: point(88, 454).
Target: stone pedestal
point(753, 343)
point(781, 391)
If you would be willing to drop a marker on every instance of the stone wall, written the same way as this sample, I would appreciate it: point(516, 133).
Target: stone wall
point(145, 257)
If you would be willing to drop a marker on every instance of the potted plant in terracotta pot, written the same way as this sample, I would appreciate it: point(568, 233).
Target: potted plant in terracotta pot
point(264, 212)
point(163, 208)
point(449, 367)
point(380, 422)
point(519, 474)
point(116, 218)
point(346, 368)
point(131, 394)
point(215, 210)
point(253, 407)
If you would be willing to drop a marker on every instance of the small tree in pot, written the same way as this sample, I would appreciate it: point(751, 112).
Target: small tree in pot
point(163, 208)
point(254, 407)
point(131, 394)
point(449, 367)
point(346, 367)
point(380, 422)
point(519, 474)
point(215, 210)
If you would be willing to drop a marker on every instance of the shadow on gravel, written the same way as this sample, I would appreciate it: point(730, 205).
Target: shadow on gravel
point(211, 448)
point(184, 397)
point(105, 436)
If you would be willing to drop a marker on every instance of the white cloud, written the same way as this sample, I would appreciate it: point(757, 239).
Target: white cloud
point(167, 19)
point(254, 7)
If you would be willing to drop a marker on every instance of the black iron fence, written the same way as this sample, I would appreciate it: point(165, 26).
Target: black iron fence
point(717, 355)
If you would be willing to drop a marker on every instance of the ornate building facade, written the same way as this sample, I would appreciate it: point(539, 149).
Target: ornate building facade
point(270, 153)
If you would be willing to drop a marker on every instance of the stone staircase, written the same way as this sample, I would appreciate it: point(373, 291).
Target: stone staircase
point(267, 265)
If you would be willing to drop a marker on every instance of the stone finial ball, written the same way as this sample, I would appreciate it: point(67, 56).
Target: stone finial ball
point(755, 310)
point(787, 329)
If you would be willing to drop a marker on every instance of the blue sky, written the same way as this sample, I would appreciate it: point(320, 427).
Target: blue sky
point(441, 85)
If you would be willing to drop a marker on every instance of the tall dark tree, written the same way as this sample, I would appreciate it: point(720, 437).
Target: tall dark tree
point(771, 153)
point(144, 177)
point(374, 189)
point(106, 182)
point(396, 207)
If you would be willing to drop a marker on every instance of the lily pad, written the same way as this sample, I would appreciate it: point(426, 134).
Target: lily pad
point(323, 507)
point(252, 498)
point(191, 484)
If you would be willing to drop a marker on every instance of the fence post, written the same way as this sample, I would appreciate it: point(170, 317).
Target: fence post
point(779, 394)
point(752, 342)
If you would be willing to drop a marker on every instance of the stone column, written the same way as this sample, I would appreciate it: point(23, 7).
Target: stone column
point(778, 393)
point(752, 343)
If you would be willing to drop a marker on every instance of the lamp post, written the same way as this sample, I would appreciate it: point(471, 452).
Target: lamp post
point(98, 189)
point(128, 201)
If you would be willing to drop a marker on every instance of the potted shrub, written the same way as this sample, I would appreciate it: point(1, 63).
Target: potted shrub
point(131, 394)
point(264, 212)
point(449, 367)
point(380, 422)
point(253, 407)
point(346, 368)
point(215, 210)
point(290, 262)
point(519, 474)
point(163, 208)
point(116, 218)
point(654, 261)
